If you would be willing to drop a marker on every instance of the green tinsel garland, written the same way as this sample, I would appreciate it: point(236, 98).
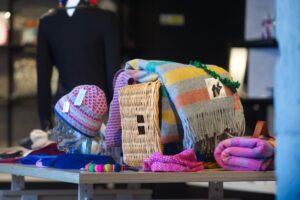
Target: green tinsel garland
point(231, 84)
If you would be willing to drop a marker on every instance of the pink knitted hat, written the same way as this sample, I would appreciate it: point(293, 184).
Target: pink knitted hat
point(82, 109)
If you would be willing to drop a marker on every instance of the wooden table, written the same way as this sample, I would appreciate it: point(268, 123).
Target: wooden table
point(86, 180)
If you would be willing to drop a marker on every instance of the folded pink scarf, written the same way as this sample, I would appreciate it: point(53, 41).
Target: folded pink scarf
point(185, 161)
point(113, 135)
point(244, 154)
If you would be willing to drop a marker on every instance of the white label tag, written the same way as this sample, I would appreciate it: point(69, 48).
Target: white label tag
point(215, 88)
point(80, 97)
point(66, 107)
point(71, 3)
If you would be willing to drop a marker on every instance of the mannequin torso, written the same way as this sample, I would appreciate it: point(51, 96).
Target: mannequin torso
point(83, 47)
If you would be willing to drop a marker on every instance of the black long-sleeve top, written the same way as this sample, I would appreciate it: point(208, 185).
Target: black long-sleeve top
point(84, 48)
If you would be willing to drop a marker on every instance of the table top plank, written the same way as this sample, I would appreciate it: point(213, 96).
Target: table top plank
point(69, 176)
point(176, 177)
point(80, 177)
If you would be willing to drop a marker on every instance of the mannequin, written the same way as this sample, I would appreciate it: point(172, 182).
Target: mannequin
point(78, 117)
point(83, 44)
point(69, 140)
point(71, 3)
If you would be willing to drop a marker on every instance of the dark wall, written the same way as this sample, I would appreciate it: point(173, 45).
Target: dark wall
point(209, 26)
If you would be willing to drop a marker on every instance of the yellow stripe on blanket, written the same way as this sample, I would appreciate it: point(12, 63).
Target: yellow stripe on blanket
point(134, 63)
point(168, 116)
point(218, 70)
point(180, 74)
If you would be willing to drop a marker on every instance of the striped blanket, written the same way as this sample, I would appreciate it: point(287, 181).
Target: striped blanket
point(204, 105)
point(170, 125)
point(244, 154)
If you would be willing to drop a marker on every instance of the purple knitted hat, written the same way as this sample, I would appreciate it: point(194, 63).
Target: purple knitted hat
point(82, 109)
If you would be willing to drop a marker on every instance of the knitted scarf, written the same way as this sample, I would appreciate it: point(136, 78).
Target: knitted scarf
point(113, 131)
point(204, 105)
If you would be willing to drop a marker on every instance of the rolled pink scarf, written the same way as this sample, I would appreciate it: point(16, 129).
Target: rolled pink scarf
point(185, 161)
point(244, 154)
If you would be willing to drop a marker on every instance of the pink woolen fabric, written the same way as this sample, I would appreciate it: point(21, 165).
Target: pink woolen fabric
point(244, 154)
point(113, 135)
point(87, 117)
point(185, 161)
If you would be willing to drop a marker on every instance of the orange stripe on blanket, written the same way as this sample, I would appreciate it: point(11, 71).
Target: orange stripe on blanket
point(191, 97)
point(228, 91)
point(236, 98)
point(237, 102)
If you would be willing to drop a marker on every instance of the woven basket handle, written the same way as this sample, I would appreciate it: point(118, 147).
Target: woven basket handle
point(261, 129)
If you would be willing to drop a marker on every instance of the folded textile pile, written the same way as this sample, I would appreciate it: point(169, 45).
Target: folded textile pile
point(244, 154)
point(191, 100)
point(185, 161)
point(204, 105)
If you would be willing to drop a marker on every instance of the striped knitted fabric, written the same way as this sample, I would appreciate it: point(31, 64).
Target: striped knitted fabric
point(204, 105)
point(85, 118)
point(113, 134)
point(170, 126)
point(244, 154)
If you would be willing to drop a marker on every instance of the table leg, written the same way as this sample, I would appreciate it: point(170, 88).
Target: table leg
point(134, 186)
point(130, 188)
point(215, 190)
point(17, 183)
point(85, 191)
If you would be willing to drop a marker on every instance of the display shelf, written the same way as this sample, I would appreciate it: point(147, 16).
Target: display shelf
point(87, 180)
point(268, 43)
point(3, 101)
point(256, 105)
point(23, 98)
point(3, 50)
point(14, 50)
point(268, 100)
point(81, 177)
point(24, 50)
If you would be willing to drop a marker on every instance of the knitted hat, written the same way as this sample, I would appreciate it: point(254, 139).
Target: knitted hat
point(82, 109)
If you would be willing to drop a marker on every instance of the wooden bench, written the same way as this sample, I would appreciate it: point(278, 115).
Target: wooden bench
point(86, 180)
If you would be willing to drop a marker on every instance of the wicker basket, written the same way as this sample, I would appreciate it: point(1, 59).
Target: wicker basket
point(139, 109)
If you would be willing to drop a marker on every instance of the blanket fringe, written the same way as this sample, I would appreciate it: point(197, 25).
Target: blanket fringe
point(208, 128)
